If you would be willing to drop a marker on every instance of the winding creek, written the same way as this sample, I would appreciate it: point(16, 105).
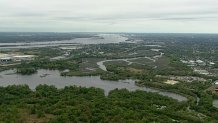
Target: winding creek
point(153, 59)
point(53, 78)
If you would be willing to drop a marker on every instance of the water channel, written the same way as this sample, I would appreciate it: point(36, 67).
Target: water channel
point(53, 77)
point(103, 67)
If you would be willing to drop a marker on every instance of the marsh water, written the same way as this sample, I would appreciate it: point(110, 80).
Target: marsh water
point(52, 77)
point(103, 67)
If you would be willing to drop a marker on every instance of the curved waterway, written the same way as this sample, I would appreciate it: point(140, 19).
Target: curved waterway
point(103, 67)
point(52, 77)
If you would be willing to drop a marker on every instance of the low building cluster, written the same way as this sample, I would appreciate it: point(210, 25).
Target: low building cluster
point(182, 78)
point(200, 71)
point(200, 66)
point(198, 62)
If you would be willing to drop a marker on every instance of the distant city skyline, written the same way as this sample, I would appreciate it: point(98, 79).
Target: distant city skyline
point(145, 16)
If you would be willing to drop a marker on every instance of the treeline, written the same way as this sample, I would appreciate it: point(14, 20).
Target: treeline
point(76, 104)
point(31, 67)
point(133, 71)
point(26, 70)
point(13, 37)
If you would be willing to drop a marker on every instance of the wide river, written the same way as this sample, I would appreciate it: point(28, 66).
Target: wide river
point(53, 78)
point(101, 39)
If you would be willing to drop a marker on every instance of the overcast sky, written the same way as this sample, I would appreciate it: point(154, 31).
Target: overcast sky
point(195, 16)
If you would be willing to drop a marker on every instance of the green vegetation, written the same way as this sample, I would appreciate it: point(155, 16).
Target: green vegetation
point(31, 67)
point(76, 104)
point(26, 71)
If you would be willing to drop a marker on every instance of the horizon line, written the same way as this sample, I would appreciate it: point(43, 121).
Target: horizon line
point(108, 32)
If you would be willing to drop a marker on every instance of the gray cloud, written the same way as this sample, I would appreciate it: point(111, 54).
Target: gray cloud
point(109, 15)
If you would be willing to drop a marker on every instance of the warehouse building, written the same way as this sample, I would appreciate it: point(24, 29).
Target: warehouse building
point(7, 58)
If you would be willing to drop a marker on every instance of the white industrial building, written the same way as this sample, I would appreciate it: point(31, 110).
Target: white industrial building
point(23, 57)
point(5, 58)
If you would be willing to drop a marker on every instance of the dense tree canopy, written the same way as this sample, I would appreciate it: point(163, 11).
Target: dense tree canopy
point(77, 104)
